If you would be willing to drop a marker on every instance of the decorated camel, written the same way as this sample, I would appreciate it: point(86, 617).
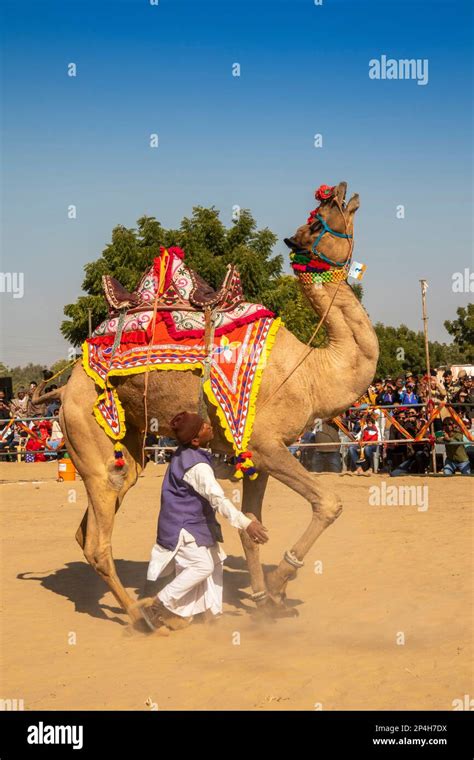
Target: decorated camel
point(297, 384)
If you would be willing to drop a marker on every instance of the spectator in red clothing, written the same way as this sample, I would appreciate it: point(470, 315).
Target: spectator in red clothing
point(34, 448)
point(362, 454)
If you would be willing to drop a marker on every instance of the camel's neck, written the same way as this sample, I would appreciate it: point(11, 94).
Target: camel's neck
point(350, 357)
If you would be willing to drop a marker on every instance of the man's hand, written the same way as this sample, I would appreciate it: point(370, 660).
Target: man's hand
point(257, 532)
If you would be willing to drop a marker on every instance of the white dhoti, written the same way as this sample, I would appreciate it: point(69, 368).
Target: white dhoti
point(198, 584)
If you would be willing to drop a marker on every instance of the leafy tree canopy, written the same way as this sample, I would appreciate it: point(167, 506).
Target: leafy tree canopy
point(462, 330)
point(209, 247)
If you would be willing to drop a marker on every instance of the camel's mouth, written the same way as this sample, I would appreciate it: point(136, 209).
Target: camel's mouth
point(296, 247)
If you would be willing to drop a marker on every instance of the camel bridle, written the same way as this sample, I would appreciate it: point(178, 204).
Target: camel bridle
point(327, 229)
point(346, 263)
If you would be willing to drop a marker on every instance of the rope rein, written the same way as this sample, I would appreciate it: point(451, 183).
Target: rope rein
point(159, 289)
point(63, 370)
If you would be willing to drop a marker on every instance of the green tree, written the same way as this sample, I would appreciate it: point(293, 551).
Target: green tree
point(209, 247)
point(402, 349)
point(462, 330)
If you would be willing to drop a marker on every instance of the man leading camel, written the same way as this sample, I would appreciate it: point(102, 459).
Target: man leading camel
point(188, 531)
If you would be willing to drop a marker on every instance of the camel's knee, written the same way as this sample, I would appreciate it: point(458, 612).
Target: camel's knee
point(100, 559)
point(328, 509)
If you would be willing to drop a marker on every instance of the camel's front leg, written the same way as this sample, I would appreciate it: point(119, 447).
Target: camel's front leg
point(276, 460)
point(253, 493)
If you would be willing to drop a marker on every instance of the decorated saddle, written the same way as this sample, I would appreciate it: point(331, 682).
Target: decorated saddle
point(175, 321)
point(182, 298)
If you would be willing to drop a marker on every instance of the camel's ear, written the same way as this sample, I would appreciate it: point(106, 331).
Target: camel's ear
point(340, 191)
point(353, 204)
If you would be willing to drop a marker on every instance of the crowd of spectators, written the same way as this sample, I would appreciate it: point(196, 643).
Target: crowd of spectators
point(371, 439)
point(35, 434)
point(379, 443)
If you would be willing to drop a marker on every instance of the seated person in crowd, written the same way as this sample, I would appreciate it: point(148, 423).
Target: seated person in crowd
point(458, 383)
point(396, 453)
point(4, 406)
point(376, 391)
point(34, 410)
point(465, 410)
point(35, 447)
point(388, 396)
point(409, 396)
point(399, 388)
point(19, 404)
point(362, 454)
point(327, 458)
point(307, 453)
point(56, 437)
point(54, 404)
point(456, 454)
point(418, 454)
point(467, 386)
point(449, 385)
point(7, 439)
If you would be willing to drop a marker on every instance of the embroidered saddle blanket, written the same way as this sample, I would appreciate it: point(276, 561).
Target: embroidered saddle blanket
point(236, 362)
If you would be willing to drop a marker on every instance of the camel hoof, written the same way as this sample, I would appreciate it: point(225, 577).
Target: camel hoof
point(134, 611)
point(274, 610)
point(147, 601)
point(275, 586)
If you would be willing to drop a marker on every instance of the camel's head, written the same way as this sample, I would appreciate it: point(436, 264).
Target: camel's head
point(318, 236)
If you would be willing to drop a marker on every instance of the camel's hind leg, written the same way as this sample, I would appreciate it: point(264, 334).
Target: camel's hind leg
point(276, 460)
point(133, 454)
point(95, 531)
point(93, 455)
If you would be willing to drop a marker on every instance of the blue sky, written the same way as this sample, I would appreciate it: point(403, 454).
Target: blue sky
point(225, 140)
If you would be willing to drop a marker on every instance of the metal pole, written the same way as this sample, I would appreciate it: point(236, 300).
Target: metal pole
point(424, 288)
point(89, 311)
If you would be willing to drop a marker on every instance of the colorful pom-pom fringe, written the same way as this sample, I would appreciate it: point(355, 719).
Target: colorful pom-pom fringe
point(118, 454)
point(245, 466)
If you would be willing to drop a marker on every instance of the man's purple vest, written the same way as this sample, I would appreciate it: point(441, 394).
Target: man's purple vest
point(182, 506)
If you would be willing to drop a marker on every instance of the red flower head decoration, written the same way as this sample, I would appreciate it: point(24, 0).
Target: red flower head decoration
point(324, 192)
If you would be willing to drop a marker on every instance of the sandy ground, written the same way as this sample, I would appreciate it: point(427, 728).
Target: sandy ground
point(388, 573)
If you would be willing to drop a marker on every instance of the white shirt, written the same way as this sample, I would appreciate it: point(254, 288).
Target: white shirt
point(202, 479)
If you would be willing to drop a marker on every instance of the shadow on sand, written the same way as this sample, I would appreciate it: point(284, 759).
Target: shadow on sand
point(79, 583)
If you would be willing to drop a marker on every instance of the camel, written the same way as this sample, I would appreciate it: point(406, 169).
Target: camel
point(298, 385)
